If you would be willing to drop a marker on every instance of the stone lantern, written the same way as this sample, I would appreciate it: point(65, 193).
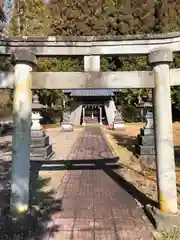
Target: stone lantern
point(118, 123)
point(141, 107)
point(66, 124)
point(145, 147)
point(36, 117)
point(40, 147)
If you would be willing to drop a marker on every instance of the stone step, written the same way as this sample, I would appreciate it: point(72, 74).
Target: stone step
point(146, 131)
point(41, 152)
point(145, 150)
point(44, 158)
point(146, 140)
point(38, 133)
point(39, 142)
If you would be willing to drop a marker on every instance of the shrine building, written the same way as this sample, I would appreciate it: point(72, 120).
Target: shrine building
point(92, 106)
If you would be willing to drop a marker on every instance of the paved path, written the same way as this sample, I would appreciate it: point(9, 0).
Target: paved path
point(94, 206)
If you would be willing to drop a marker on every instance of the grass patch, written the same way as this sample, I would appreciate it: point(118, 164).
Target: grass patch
point(143, 179)
point(175, 235)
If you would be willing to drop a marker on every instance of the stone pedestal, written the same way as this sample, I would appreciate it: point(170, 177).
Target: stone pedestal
point(145, 146)
point(118, 123)
point(166, 222)
point(40, 148)
point(66, 124)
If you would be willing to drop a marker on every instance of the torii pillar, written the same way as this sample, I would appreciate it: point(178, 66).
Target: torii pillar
point(24, 62)
point(165, 163)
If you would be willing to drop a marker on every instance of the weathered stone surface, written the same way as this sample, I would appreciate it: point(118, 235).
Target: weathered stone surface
point(145, 150)
point(146, 140)
point(145, 145)
point(44, 151)
point(160, 55)
point(23, 55)
point(71, 39)
point(164, 221)
point(66, 125)
point(39, 142)
point(147, 132)
point(66, 117)
point(118, 121)
point(90, 45)
point(38, 133)
point(77, 80)
point(43, 158)
point(40, 148)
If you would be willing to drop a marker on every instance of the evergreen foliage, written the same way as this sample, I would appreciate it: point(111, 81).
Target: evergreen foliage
point(108, 17)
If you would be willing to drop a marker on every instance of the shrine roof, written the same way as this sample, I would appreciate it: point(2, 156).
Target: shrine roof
point(91, 92)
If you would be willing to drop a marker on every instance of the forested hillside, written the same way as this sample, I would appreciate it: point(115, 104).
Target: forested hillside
point(100, 17)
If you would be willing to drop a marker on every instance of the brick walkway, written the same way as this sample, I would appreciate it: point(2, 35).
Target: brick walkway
point(94, 206)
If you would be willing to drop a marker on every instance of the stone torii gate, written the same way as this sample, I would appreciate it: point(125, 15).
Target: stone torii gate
point(159, 49)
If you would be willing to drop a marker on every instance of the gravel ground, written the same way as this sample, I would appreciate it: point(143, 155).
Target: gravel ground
point(62, 143)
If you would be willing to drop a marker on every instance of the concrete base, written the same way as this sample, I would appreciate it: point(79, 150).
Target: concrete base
point(42, 158)
point(41, 151)
point(163, 221)
point(145, 150)
point(146, 140)
point(118, 126)
point(39, 142)
point(66, 127)
point(38, 133)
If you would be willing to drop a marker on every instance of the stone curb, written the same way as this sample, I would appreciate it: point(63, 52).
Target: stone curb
point(108, 140)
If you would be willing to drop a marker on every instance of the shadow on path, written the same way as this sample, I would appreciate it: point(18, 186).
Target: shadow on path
point(45, 200)
point(98, 173)
point(108, 165)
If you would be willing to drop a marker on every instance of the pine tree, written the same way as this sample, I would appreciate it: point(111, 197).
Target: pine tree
point(167, 16)
point(108, 17)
